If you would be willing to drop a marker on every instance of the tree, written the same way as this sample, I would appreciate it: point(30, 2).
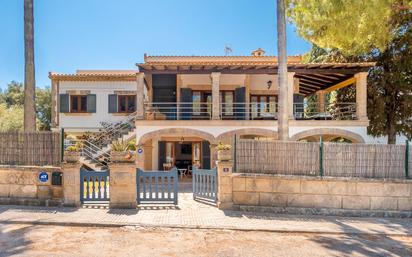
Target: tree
point(29, 75)
point(11, 118)
point(43, 107)
point(12, 99)
point(352, 26)
point(13, 95)
point(282, 72)
point(390, 84)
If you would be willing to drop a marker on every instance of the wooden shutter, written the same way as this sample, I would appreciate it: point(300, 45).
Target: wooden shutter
point(64, 103)
point(161, 154)
point(91, 103)
point(113, 103)
point(186, 96)
point(240, 100)
point(205, 155)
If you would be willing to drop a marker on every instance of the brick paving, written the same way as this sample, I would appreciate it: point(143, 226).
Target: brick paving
point(192, 214)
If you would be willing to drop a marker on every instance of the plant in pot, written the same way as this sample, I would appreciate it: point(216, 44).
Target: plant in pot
point(121, 152)
point(72, 154)
point(223, 152)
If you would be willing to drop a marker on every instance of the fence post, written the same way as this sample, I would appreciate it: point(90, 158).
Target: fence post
point(321, 157)
point(62, 144)
point(407, 160)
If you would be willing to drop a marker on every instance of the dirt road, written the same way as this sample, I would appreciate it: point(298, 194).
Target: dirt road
point(29, 240)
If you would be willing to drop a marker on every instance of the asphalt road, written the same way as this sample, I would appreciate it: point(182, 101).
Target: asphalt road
point(31, 240)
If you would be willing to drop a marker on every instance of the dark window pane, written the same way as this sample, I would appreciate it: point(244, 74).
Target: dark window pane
point(131, 103)
point(74, 104)
point(83, 107)
point(122, 103)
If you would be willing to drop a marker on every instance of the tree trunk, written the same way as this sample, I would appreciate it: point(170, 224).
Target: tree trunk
point(29, 77)
point(391, 132)
point(283, 119)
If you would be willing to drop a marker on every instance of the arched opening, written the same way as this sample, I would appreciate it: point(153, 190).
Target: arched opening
point(177, 147)
point(328, 135)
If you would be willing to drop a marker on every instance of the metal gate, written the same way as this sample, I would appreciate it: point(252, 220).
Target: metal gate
point(157, 186)
point(94, 186)
point(205, 185)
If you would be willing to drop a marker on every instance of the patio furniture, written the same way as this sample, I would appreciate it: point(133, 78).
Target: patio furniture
point(183, 172)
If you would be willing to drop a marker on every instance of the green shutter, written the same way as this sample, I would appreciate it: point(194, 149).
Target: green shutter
point(64, 103)
point(91, 103)
point(113, 103)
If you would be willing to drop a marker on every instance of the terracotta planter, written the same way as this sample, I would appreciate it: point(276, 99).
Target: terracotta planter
point(71, 156)
point(224, 155)
point(122, 156)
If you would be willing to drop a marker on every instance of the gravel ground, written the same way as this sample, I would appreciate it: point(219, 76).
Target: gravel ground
point(30, 240)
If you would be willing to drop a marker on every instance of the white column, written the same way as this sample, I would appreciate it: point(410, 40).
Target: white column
point(291, 90)
point(140, 97)
point(215, 95)
point(361, 96)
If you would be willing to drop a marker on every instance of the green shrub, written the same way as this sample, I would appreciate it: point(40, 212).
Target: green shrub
point(132, 145)
point(120, 146)
point(71, 148)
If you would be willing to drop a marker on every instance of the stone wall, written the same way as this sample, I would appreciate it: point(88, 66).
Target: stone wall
point(20, 185)
point(329, 193)
point(123, 187)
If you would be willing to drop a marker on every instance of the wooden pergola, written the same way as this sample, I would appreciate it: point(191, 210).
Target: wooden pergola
point(312, 76)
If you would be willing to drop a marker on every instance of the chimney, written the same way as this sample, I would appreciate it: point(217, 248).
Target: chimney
point(258, 52)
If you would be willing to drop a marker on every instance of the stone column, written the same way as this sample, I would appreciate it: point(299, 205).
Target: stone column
point(123, 189)
point(140, 97)
point(320, 101)
point(71, 184)
point(361, 95)
point(291, 89)
point(225, 184)
point(55, 104)
point(215, 95)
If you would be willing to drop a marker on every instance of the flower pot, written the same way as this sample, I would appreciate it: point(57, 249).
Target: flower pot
point(224, 155)
point(71, 156)
point(122, 156)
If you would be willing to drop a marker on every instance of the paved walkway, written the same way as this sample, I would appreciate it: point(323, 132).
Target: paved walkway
point(191, 214)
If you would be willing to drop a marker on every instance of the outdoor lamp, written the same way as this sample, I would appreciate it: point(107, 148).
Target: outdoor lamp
point(269, 84)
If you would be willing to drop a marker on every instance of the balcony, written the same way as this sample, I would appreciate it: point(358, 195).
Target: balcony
point(247, 111)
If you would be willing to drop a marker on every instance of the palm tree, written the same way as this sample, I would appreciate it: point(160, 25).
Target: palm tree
point(29, 79)
point(283, 119)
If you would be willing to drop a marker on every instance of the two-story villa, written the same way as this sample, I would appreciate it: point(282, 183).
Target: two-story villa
point(184, 105)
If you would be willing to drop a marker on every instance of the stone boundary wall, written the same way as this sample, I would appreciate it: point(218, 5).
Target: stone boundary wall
point(20, 185)
point(330, 193)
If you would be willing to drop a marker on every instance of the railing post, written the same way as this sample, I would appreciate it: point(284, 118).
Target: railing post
point(407, 160)
point(321, 157)
point(62, 144)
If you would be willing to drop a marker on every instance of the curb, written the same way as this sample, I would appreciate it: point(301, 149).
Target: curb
point(191, 227)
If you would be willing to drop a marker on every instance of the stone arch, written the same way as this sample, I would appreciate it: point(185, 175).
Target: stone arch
point(332, 132)
point(176, 131)
point(249, 131)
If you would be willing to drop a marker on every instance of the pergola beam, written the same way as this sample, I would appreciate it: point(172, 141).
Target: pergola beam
point(341, 85)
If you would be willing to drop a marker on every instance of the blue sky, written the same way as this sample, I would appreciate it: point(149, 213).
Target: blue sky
point(114, 34)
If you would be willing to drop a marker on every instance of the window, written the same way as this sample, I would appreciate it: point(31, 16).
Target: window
point(202, 103)
point(127, 103)
point(263, 105)
point(78, 103)
point(226, 100)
